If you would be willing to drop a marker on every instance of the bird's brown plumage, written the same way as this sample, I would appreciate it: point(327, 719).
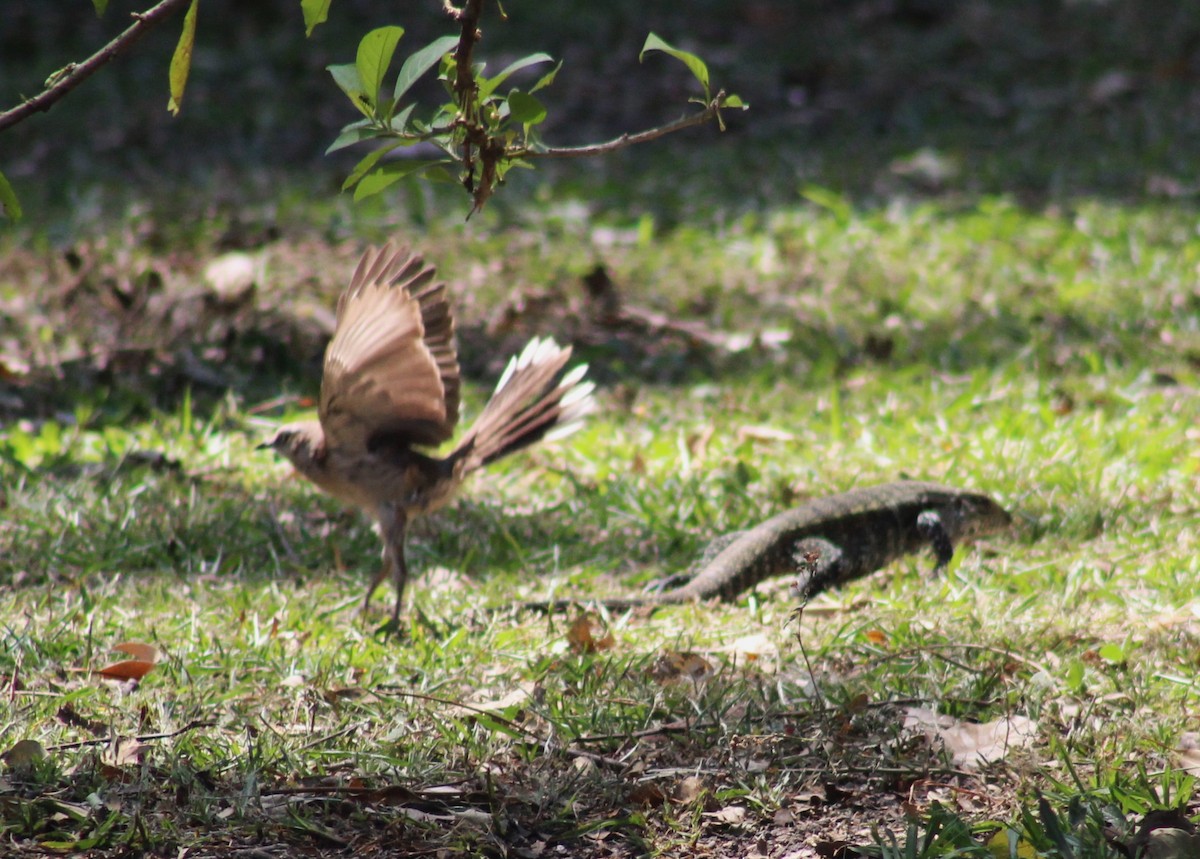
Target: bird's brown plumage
point(391, 382)
point(391, 372)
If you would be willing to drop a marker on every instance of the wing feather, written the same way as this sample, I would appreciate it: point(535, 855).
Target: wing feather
point(391, 370)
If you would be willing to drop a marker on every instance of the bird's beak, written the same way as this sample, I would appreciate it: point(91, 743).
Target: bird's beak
point(266, 445)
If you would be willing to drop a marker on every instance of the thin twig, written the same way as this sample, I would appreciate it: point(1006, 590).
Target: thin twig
point(533, 735)
point(76, 74)
point(798, 615)
point(625, 140)
point(143, 738)
point(929, 650)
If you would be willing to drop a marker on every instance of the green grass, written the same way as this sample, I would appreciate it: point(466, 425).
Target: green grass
point(1047, 356)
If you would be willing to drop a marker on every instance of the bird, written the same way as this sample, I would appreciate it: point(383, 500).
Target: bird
point(391, 384)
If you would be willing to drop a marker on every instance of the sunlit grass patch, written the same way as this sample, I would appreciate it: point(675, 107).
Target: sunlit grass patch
point(1044, 357)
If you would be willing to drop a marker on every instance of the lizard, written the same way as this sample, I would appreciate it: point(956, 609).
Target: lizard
point(831, 540)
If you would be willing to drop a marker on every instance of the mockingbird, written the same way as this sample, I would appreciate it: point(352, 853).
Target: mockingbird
point(391, 383)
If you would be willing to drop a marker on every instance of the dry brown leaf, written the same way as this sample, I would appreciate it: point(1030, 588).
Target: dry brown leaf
point(353, 693)
point(513, 698)
point(648, 795)
point(1188, 752)
point(588, 635)
point(677, 666)
point(24, 754)
point(129, 669)
point(690, 790)
point(123, 752)
point(971, 744)
point(138, 650)
point(730, 815)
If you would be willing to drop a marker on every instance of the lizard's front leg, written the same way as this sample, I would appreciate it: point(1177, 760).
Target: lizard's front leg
point(931, 527)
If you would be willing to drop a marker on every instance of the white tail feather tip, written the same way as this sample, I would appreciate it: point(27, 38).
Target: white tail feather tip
point(573, 376)
point(577, 394)
point(563, 430)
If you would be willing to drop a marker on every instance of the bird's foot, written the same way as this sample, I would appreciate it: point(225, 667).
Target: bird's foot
point(392, 628)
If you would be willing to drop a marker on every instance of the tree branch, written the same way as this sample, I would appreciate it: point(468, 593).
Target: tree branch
point(75, 74)
point(625, 140)
point(465, 89)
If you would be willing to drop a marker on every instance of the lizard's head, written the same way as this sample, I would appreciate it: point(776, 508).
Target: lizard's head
point(977, 515)
point(303, 443)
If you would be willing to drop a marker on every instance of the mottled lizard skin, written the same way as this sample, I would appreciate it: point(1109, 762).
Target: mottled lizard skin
point(832, 540)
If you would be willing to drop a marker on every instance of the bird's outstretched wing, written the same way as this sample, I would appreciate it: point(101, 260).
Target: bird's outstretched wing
point(391, 371)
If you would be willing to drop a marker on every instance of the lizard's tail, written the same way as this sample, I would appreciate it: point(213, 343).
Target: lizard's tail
point(533, 400)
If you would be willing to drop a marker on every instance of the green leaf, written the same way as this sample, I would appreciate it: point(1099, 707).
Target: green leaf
point(347, 78)
point(832, 201)
point(389, 174)
point(181, 61)
point(548, 78)
point(487, 86)
point(100, 5)
point(366, 164)
point(1113, 653)
point(355, 132)
point(525, 109)
point(694, 63)
point(374, 56)
point(734, 101)
point(420, 62)
point(400, 121)
point(8, 200)
point(315, 12)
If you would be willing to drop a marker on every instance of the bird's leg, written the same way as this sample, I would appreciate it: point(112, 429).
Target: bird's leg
point(384, 569)
point(393, 528)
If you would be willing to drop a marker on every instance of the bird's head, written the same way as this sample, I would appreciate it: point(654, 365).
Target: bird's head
point(303, 443)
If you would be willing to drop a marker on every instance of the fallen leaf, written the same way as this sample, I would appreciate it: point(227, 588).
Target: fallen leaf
point(139, 651)
point(24, 754)
point(351, 693)
point(676, 666)
point(587, 635)
point(1188, 752)
point(730, 815)
point(648, 795)
point(690, 789)
point(123, 752)
point(129, 669)
point(971, 744)
point(510, 700)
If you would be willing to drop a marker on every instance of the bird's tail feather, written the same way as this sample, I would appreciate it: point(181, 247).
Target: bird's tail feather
point(533, 400)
